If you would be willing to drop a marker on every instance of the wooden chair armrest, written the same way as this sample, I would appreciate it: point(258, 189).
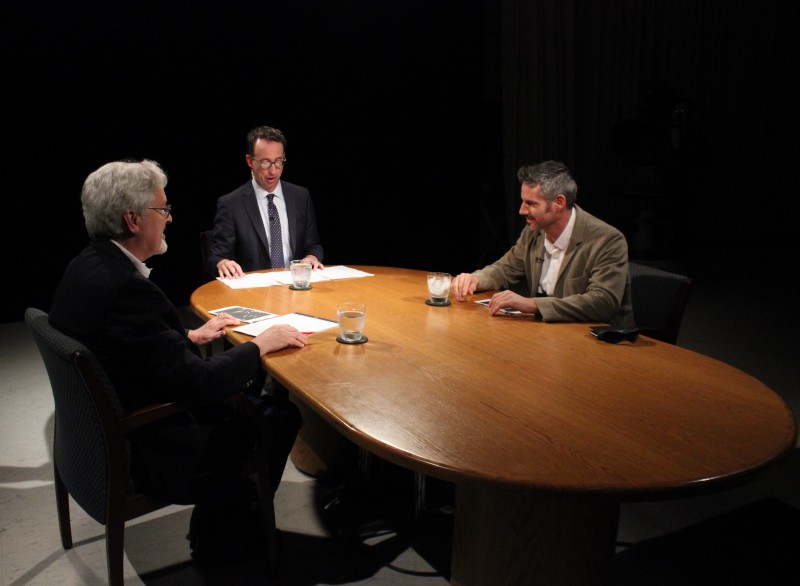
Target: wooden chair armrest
point(148, 414)
point(144, 415)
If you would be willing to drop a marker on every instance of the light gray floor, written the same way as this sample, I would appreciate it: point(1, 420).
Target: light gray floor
point(722, 538)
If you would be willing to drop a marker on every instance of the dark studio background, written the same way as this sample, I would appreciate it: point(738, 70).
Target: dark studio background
point(407, 120)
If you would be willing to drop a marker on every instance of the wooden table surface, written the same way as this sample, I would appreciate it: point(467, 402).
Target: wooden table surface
point(522, 415)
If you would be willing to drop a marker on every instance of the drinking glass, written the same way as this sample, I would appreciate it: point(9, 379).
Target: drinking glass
point(301, 274)
point(439, 288)
point(352, 319)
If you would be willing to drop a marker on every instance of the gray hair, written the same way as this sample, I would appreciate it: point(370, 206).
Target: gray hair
point(553, 177)
point(116, 188)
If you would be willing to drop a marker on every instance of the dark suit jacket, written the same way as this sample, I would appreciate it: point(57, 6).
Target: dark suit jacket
point(138, 336)
point(239, 231)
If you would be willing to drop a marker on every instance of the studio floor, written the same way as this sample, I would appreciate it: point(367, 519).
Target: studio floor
point(746, 535)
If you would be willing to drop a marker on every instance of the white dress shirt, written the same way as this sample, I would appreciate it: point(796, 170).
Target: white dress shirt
point(140, 266)
point(554, 256)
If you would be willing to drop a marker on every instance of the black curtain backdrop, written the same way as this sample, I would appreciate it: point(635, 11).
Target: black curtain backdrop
point(407, 120)
point(380, 102)
point(678, 118)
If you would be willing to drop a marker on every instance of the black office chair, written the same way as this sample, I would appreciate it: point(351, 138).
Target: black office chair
point(90, 448)
point(659, 301)
point(205, 250)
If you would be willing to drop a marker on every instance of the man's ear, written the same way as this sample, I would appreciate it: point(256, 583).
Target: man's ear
point(133, 221)
point(561, 200)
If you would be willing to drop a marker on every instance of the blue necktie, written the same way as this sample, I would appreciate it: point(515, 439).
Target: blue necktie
point(275, 237)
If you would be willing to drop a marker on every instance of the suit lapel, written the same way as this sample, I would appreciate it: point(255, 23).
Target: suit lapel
point(254, 213)
point(574, 242)
point(291, 214)
point(538, 260)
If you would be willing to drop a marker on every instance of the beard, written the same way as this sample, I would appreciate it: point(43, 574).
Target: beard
point(163, 247)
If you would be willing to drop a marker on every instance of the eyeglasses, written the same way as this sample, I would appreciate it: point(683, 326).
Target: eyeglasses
point(267, 164)
point(167, 210)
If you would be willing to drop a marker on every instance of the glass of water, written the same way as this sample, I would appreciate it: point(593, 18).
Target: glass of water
point(352, 319)
point(301, 274)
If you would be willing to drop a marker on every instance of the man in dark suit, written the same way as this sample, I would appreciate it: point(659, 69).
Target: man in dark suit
point(107, 301)
point(266, 222)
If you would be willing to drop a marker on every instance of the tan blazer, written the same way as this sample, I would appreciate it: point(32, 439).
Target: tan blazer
point(594, 284)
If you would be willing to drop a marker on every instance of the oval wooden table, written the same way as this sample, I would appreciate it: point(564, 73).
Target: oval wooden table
point(544, 429)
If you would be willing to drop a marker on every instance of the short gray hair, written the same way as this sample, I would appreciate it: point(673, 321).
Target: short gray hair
point(116, 188)
point(553, 177)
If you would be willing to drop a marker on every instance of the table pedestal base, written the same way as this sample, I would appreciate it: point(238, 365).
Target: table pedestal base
point(506, 536)
point(319, 449)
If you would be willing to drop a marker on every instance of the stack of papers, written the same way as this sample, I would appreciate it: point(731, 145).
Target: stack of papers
point(256, 320)
point(251, 280)
point(308, 324)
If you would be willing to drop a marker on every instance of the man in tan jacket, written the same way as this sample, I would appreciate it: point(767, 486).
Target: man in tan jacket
point(575, 265)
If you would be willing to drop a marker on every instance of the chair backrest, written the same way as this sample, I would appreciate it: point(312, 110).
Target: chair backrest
point(659, 301)
point(91, 454)
point(85, 401)
point(205, 250)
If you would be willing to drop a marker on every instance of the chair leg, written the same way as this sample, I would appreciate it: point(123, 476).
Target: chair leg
point(115, 542)
point(115, 538)
point(62, 508)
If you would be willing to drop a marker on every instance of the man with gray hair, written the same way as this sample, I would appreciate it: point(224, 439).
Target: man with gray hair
point(107, 301)
point(575, 265)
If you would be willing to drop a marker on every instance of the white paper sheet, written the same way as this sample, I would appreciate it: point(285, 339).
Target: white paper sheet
point(251, 280)
point(341, 272)
point(305, 323)
point(285, 277)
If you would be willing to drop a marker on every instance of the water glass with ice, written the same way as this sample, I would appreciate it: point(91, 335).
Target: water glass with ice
point(439, 288)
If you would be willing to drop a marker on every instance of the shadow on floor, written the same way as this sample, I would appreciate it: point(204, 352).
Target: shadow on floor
point(307, 560)
point(370, 527)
